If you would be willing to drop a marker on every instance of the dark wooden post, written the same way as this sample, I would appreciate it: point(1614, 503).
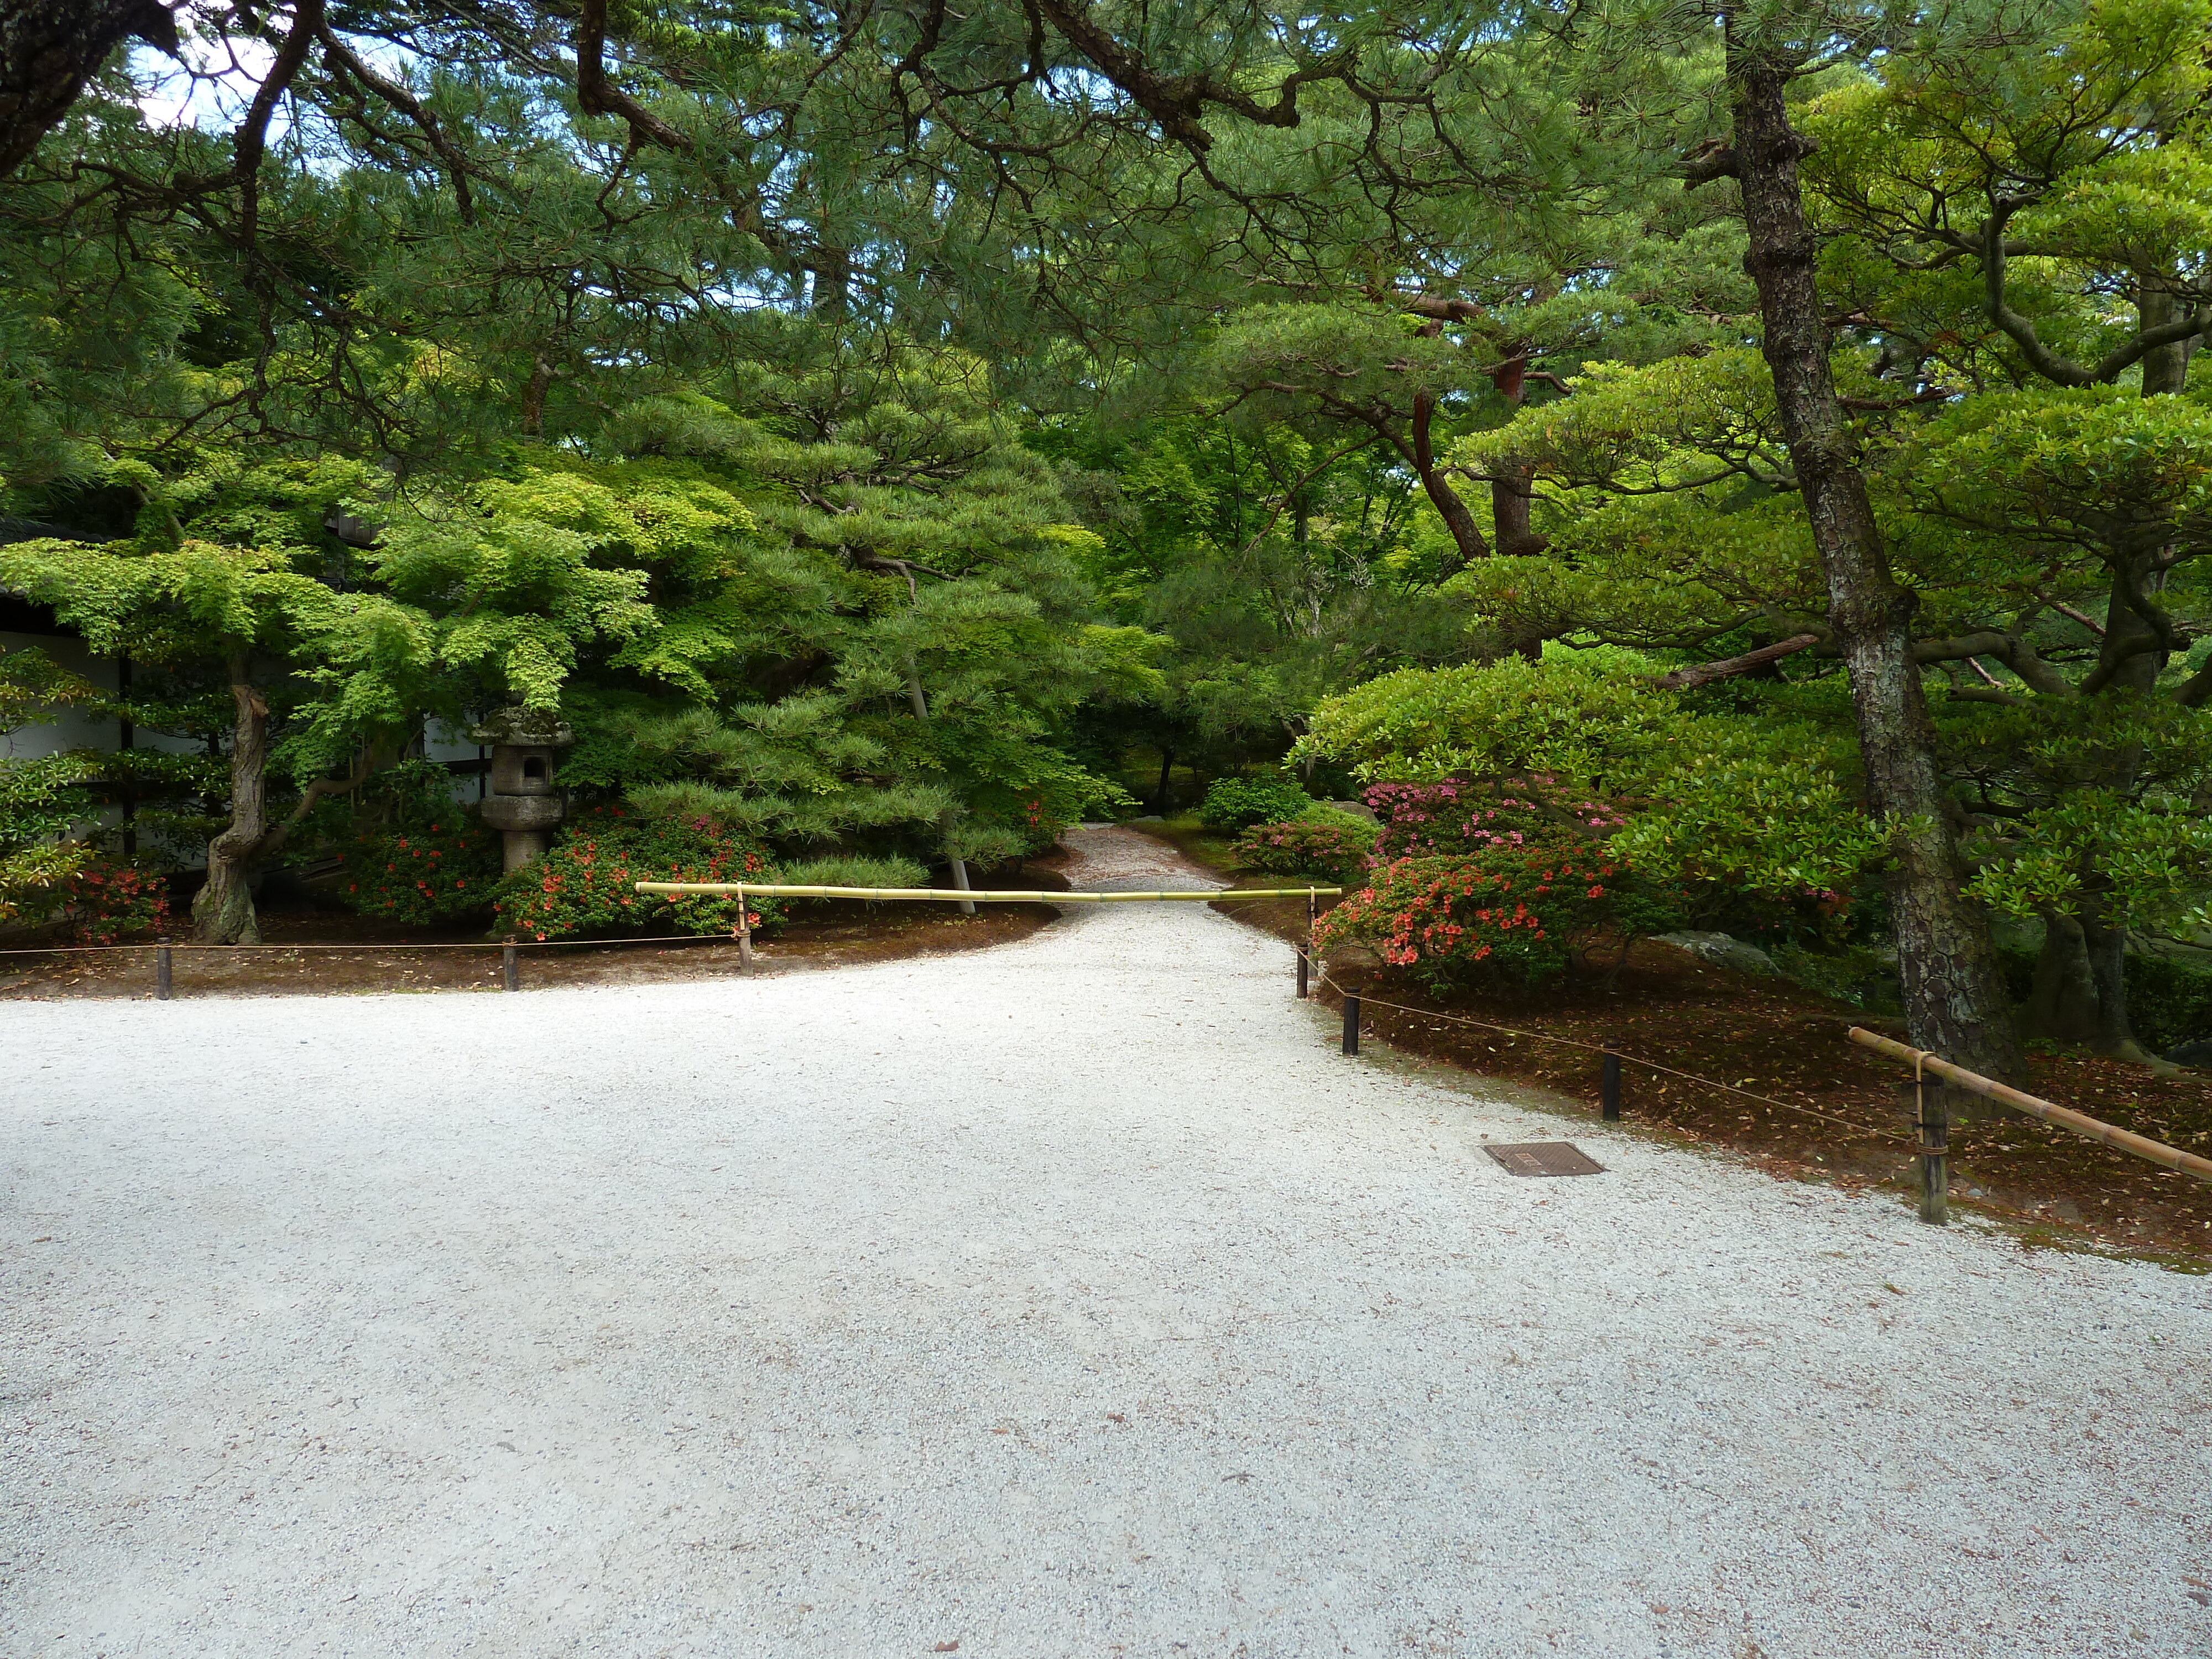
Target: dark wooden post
point(1608, 1091)
point(510, 966)
point(161, 971)
point(1302, 971)
point(1934, 1149)
point(1350, 1024)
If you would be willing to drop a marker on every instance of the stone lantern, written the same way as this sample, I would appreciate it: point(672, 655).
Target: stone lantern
point(522, 802)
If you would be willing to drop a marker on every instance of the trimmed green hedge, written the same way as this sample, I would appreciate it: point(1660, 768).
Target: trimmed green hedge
point(1240, 803)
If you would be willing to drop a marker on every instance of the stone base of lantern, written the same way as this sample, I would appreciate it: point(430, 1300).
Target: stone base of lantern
point(526, 826)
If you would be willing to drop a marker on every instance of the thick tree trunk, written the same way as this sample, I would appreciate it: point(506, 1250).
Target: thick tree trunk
point(2062, 1008)
point(2165, 368)
point(1160, 795)
point(2105, 948)
point(50, 48)
point(1512, 495)
point(1955, 1000)
point(222, 910)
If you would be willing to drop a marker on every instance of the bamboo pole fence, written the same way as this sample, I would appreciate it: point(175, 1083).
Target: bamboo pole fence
point(2090, 1128)
point(974, 895)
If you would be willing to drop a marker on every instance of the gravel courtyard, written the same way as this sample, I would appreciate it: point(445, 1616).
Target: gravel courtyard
point(1072, 1297)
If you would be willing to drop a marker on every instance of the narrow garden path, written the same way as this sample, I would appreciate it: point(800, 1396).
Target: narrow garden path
point(1070, 1298)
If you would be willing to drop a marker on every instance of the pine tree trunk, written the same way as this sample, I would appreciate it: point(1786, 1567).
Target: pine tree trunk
point(1955, 999)
point(1512, 493)
point(50, 48)
point(1466, 535)
point(222, 910)
point(2131, 659)
point(949, 817)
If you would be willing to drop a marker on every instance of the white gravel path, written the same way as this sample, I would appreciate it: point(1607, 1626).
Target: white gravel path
point(1070, 1298)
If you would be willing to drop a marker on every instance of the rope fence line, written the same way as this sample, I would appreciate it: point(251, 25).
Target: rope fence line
point(741, 935)
point(978, 895)
point(465, 945)
point(1358, 999)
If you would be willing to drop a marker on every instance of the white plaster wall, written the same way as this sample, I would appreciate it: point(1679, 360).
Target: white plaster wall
point(73, 728)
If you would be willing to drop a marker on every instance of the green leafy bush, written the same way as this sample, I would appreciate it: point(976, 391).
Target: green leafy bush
point(33, 880)
point(586, 883)
point(1569, 717)
point(42, 798)
point(1515, 915)
point(853, 873)
point(1335, 846)
point(1757, 824)
point(432, 872)
point(1240, 803)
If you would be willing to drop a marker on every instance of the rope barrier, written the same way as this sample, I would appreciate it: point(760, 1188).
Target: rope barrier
point(977, 895)
point(966, 896)
point(1648, 1065)
point(472, 944)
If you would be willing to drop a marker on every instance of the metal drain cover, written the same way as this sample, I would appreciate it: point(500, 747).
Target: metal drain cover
point(1545, 1158)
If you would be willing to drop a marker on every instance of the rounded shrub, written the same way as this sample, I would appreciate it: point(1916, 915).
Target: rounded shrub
point(111, 898)
point(1515, 915)
point(431, 872)
point(1240, 803)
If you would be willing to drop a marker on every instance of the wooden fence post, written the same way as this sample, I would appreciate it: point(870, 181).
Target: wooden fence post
point(1304, 968)
point(162, 980)
point(510, 966)
point(1935, 1148)
point(746, 933)
point(1350, 1024)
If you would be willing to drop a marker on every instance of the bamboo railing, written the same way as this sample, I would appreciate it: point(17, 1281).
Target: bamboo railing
point(2090, 1128)
point(976, 896)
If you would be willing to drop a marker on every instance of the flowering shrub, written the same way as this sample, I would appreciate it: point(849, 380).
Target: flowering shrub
point(586, 882)
point(1513, 913)
point(109, 897)
point(1425, 820)
point(1240, 803)
point(1335, 846)
point(427, 872)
